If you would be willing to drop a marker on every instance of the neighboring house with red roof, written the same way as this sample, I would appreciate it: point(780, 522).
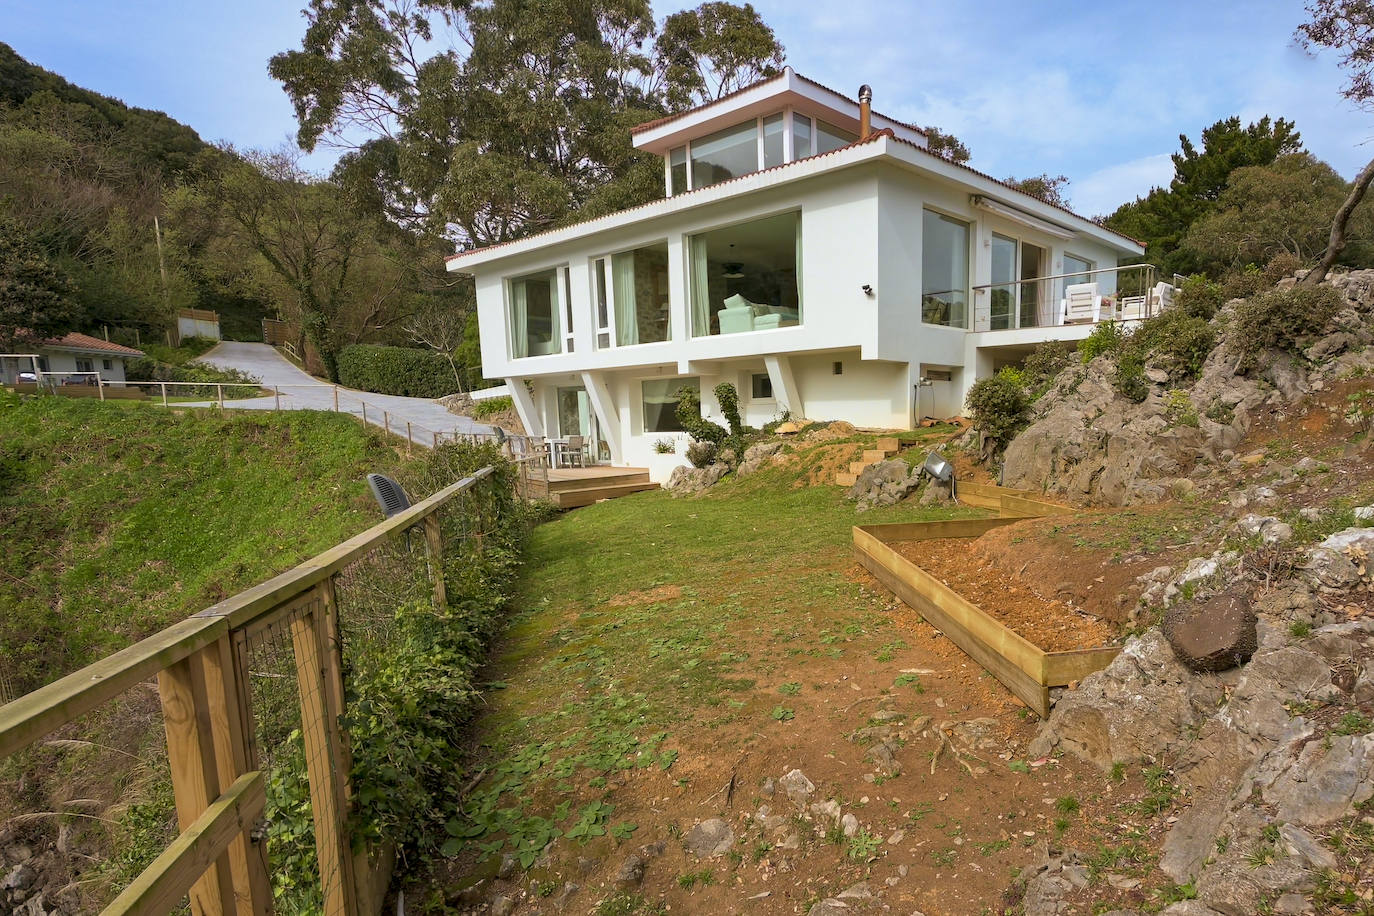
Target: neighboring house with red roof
point(71, 353)
point(808, 249)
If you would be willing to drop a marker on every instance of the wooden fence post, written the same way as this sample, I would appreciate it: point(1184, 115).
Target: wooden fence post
point(320, 730)
point(235, 755)
point(195, 774)
point(434, 537)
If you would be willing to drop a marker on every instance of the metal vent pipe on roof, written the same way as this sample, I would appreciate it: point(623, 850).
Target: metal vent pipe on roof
point(865, 111)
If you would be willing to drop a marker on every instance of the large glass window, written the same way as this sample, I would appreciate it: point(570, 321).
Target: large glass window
point(603, 311)
point(829, 137)
point(725, 154)
point(745, 277)
point(677, 165)
point(944, 270)
point(534, 324)
point(772, 141)
point(1003, 290)
point(660, 403)
point(1077, 268)
point(639, 291)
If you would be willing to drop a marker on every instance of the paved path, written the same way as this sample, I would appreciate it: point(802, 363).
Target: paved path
point(300, 391)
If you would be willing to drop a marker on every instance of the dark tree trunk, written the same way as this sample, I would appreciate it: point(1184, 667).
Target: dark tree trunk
point(1337, 241)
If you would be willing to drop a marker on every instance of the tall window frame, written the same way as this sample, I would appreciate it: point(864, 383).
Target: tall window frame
point(611, 329)
point(940, 306)
point(557, 276)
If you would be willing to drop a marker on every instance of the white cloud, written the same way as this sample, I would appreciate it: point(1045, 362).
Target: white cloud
point(1102, 191)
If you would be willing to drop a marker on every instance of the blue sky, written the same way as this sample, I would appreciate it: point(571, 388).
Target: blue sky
point(1098, 93)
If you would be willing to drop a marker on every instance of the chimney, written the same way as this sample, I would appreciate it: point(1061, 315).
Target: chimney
point(865, 111)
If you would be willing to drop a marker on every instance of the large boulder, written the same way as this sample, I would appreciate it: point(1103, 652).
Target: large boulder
point(1214, 634)
point(1340, 562)
point(885, 483)
point(755, 456)
point(687, 481)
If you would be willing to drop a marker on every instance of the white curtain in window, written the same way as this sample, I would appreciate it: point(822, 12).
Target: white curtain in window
point(623, 288)
point(555, 306)
point(701, 289)
point(519, 321)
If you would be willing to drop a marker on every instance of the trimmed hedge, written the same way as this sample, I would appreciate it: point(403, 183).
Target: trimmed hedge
point(396, 370)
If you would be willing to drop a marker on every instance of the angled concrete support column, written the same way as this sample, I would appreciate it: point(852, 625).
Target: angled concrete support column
point(524, 406)
point(607, 420)
point(785, 390)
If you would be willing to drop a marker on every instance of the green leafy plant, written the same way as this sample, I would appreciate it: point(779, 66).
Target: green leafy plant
point(1282, 319)
point(782, 713)
point(862, 845)
point(999, 407)
point(689, 415)
point(396, 370)
point(1107, 338)
point(491, 407)
point(664, 446)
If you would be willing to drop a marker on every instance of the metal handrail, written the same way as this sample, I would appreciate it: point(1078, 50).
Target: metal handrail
point(1077, 273)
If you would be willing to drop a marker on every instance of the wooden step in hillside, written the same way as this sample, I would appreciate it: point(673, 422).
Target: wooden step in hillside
point(882, 450)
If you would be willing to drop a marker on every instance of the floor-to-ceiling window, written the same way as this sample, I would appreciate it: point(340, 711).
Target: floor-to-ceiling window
point(534, 306)
point(1034, 292)
point(1002, 293)
point(745, 277)
point(944, 270)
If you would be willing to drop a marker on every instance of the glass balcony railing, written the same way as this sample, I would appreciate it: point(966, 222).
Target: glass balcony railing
point(1131, 292)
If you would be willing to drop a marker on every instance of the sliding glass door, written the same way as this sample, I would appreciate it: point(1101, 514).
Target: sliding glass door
point(1003, 289)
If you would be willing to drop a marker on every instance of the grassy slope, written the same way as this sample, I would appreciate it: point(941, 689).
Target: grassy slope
point(119, 520)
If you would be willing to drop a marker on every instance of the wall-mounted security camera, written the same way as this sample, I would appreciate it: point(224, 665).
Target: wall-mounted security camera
point(868, 290)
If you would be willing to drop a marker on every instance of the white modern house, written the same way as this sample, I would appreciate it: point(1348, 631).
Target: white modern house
point(811, 251)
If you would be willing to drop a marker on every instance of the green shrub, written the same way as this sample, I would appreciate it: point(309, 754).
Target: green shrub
point(1043, 366)
point(728, 398)
point(1281, 319)
point(1176, 342)
point(1200, 297)
point(184, 369)
point(490, 407)
point(396, 370)
point(1107, 337)
point(999, 406)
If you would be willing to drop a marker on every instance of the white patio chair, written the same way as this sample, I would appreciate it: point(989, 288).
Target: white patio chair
point(1162, 296)
point(1081, 303)
point(1132, 308)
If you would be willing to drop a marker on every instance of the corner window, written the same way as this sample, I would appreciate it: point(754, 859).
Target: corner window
point(745, 277)
point(830, 137)
point(801, 136)
point(534, 325)
point(677, 167)
point(108, 364)
point(760, 387)
point(660, 402)
point(772, 141)
point(944, 270)
point(725, 154)
point(638, 285)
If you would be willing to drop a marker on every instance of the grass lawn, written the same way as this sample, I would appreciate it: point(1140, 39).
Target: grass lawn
point(120, 518)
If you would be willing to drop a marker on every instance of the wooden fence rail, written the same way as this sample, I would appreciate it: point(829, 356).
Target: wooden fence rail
point(201, 667)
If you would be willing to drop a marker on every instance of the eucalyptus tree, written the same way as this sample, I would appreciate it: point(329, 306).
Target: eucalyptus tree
point(486, 121)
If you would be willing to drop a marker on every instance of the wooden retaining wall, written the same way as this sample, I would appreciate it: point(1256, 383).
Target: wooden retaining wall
point(1025, 669)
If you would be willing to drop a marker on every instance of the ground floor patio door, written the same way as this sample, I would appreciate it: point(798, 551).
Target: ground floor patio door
point(576, 418)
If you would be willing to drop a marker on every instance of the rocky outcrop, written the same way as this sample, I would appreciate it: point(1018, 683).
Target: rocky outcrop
point(1262, 752)
point(1089, 444)
point(756, 456)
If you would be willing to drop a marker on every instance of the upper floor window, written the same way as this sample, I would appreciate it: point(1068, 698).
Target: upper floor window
point(745, 277)
point(944, 270)
point(759, 143)
point(631, 290)
point(535, 329)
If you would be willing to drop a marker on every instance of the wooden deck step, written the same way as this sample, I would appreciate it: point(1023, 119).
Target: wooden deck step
point(571, 498)
point(845, 480)
point(597, 480)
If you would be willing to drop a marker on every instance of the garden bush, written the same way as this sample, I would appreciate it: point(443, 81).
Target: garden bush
point(1107, 337)
point(1000, 406)
point(1200, 297)
point(1281, 319)
point(696, 426)
point(701, 453)
point(491, 407)
point(1043, 366)
point(396, 370)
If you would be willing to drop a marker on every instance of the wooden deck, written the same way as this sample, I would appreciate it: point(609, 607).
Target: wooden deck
point(569, 488)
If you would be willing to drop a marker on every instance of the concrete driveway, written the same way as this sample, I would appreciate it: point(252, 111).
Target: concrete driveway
point(300, 391)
